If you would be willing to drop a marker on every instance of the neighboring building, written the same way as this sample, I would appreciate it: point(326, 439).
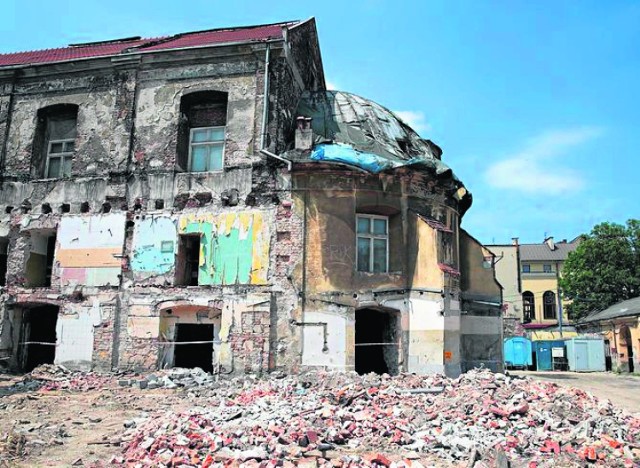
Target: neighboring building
point(530, 274)
point(619, 325)
point(202, 200)
point(481, 320)
point(507, 268)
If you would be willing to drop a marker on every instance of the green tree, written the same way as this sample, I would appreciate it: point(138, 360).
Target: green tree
point(604, 269)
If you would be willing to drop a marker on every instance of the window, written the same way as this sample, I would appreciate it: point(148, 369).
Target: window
point(529, 306)
point(526, 268)
point(201, 131)
point(206, 149)
point(372, 243)
point(55, 141)
point(549, 304)
point(546, 268)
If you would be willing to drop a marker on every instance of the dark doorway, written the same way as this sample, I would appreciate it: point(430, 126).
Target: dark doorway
point(39, 336)
point(376, 342)
point(188, 260)
point(625, 334)
point(194, 354)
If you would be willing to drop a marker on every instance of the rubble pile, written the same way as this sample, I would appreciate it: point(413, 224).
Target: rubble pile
point(56, 377)
point(332, 419)
point(170, 378)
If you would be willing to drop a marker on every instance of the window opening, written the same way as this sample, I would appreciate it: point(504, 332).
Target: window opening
point(372, 243)
point(39, 266)
point(549, 303)
point(526, 268)
point(55, 141)
point(528, 305)
point(201, 132)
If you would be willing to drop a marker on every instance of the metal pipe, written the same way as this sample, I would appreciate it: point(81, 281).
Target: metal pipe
point(265, 97)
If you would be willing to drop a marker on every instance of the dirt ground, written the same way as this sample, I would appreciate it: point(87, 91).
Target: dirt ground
point(73, 428)
point(622, 390)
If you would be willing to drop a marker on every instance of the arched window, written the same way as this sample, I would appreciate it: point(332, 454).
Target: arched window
point(54, 142)
point(529, 306)
point(549, 304)
point(201, 131)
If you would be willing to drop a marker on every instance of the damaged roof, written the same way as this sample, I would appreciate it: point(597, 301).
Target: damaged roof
point(351, 130)
point(136, 44)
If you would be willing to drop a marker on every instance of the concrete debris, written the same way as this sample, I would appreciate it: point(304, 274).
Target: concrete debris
point(336, 419)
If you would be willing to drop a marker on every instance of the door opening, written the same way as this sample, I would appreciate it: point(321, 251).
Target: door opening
point(194, 354)
point(188, 260)
point(38, 342)
point(376, 342)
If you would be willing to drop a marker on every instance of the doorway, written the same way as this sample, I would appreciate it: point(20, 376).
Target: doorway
point(376, 342)
point(625, 338)
point(193, 354)
point(38, 343)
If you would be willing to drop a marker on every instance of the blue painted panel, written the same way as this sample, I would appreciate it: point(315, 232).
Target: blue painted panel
point(154, 245)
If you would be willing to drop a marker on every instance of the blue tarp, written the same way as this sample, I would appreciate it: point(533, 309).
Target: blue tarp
point(347, 154)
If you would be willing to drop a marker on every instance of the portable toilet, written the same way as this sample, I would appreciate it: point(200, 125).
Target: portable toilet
point(546, 351)
point(517, 352)
point(586, 354)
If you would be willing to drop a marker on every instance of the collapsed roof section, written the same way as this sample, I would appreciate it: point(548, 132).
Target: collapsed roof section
point(357, 132)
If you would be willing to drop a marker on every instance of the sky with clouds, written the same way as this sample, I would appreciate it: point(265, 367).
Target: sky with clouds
point(535, 104)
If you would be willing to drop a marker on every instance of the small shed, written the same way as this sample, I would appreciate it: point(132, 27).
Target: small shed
point(549, 353)
point(517, 352)
point(586, 354)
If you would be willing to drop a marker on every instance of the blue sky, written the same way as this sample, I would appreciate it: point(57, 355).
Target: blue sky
point(535, 104)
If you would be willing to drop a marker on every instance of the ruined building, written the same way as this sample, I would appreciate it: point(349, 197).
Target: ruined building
point(202, 200)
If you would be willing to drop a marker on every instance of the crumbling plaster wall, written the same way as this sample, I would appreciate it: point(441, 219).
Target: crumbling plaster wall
point(103, 136)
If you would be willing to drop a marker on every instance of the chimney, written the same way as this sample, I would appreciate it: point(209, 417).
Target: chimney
point(514, 241)
point(550, 243)
point(304, 134)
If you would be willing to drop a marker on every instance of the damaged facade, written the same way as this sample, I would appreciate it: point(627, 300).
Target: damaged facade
point(202, 200)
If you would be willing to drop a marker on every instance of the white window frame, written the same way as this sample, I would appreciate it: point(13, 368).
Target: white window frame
point(63, 156)
point(371, 237)
point(210, 143)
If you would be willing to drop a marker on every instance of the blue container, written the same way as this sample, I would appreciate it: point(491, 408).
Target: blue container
point(517, 352)
point(586, 354)
point(544, 353)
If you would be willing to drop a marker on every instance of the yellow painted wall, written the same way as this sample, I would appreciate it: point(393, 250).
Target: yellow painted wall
point(538, 283)
point(426, 273)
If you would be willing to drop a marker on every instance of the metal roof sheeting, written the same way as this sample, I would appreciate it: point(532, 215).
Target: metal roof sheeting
point(542, 252)
point(627, 308)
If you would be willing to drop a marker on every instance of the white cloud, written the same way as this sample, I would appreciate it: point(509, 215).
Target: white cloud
point(415, 120)
point(331, 85)
point(535, 169)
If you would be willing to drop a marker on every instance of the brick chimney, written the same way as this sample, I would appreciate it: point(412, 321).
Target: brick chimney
point(304, 134)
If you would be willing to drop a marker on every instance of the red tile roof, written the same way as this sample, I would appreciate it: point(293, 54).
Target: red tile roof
point(132, 45)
